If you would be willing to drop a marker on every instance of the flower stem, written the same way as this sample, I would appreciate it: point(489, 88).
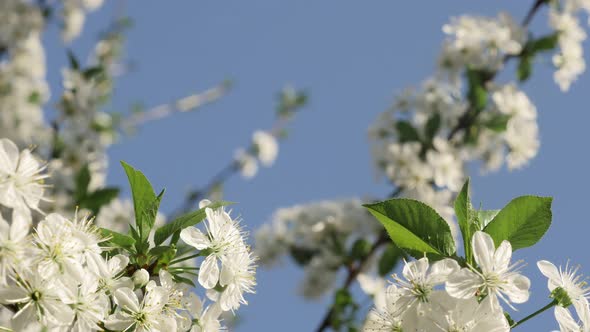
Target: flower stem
point(548, 306)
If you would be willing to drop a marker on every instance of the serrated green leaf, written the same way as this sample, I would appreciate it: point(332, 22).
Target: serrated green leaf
point(406, 132)
point(184, 221)
point(145, 201)
point(522, 222)
point(485, 216)
point(465, 219)
point(117, 239)
point(415, 227)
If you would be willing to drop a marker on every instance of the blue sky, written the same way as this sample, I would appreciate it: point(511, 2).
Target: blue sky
point(352, 57)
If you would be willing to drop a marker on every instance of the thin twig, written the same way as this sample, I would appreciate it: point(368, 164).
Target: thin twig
point(188, 103)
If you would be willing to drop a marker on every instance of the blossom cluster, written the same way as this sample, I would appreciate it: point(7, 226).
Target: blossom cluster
point(316, 235)
point(66, 273)
point(445, 296)
point(424, 144)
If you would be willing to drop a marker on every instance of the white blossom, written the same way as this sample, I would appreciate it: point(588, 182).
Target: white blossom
point(497, 278)
point(145, 315)
point(21, 177)
point(266, 147)
point(569, 280)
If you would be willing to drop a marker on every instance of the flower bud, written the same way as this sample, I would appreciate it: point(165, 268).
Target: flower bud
point(141, 278)
point(204, 203)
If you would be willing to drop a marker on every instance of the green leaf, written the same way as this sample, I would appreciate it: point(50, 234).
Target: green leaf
point(497, 123)
point(432, 126)
point(522, 222)
point(525, 67)
point(178, 278)
point(465, 219)
point(164, 254)
point(184, 221)
point(360, 249)
point(145, 201)
point(82, 182)
point(406, 132)
point(477, 93)
point(389, 259)
point(74, 64)
point(97, 199)
point(485, 216)
point(415, 227)
point(34, 98)
point(545, 43)
point(301, 255)
point(92, 72)
point(117, 239)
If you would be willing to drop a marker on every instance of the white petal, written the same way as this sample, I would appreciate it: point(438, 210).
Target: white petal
point(502, 256)
point(24, 317)
point(155, 299)
point(415, 270)
point(127, 299)
point(565, 320)
point(441, 270)
point(550, 271)
point(21, 223)
point(194, 237)
point(483, 250)
point(118, 263)
point(8, 156)
point(12, 295)
point(166, 279)
point(209, 272)
point(118, 322)
point(518, 288)
point(226, 275)
point(463, 284)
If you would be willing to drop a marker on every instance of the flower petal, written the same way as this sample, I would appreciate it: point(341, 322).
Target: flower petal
point(483, 250)
point(463, 284)
point(209, 272)
point(517, 288)
point(194, 237)
point(127, 299)
point(550, 271)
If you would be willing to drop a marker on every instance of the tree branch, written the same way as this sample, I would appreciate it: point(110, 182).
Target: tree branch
point(465, 121)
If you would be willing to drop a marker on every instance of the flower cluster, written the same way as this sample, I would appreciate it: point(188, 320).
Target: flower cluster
point(424, 144)
point(68, 274)
point(317, 236)
point(444, 296)
point(23, 87)
point(569, 61)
